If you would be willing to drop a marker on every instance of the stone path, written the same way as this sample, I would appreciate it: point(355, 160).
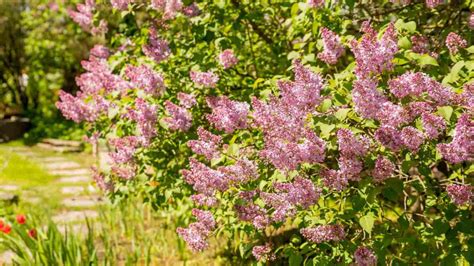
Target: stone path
point(79, 197)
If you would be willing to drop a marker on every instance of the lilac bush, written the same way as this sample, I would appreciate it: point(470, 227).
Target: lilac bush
point(304, 131)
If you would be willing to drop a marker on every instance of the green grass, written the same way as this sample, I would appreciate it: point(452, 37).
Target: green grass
point(18, 170)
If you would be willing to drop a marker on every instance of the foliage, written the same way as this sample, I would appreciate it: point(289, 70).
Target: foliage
point(363, 156)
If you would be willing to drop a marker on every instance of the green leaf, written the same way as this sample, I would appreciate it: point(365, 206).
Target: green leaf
point(426, 59)
point(326, 129)
point(367, 222)
point(404, 43)
point(446, 112)
point(341, 114)
point(295, 259)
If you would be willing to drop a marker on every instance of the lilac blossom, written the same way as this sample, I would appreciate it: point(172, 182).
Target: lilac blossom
point(226, 114)
point(207, 145)
point(334, 179)
point(324, 233)
point(333, 48)
point(156, 48)
point(240, 172)
point(101, 29)
point(389, 137)
point(204, 200)
point(367, 99)
point(227, 59)
point(205, 180)
point(121, 4)
point(301, 192)
point(470, 21)
point(373, 56)
point(81, 109)
point(192, 10)
point(124, 148)
point(365, 257)
point(145, 116)
point(433, 3)
point(263, 253)
point(197, 233)
point(454, 42)
point(125, 171)
point(412, 138)
point(349, 145)
point(316, 3)
point(384, 168)
point(180, 118)
point(460, 194)
point(461, 147)
point(186, 100)
point(205, 79)
point(433, 125)
point(420, 44)
point(144, 77)
point(100, 51)
point(392, 114)
point(169, 7)
point(350, 168)
point(101, 181)
point(253, 213)
point(83, 16)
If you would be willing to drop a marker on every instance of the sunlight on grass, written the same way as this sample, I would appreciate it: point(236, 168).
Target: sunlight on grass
point(17, 170)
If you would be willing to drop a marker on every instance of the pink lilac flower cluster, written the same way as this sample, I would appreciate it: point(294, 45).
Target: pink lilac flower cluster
point(83, 16)
point(433, 125)
point(433, 3)
point(197, 233)
point(351, 150)
point(99, 76)
point(186, 100)
point(251, 212)
point(180, 118)
point(316, 3)
point(125, 171)
point(365, 257)
point(227, 115)
point(124, 149)
point(100, 51)
point(466, 98)
point(170, 8)
point(157, 48)
point(145, 115)
point(144, 77)
point(333, 48)
point(205, 79)
point(204, 200)
point(227, 59)
point(288, 141)
point(384, 168)
point(324, 233)
point(243, 170)
point(205, 180)
point(78, 109)
point(412, 138)
point(101, 181)
point(263, 252)
point(460, 194)
point(373, 56)
point(367, 99)
point(192, 10)
point(121, 4)
point(454, 42)
point(207, 145)
point(288, 196)
point(461, 148)
point(420, 44)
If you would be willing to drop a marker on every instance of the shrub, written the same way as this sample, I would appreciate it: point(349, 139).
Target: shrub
point(313, 134)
